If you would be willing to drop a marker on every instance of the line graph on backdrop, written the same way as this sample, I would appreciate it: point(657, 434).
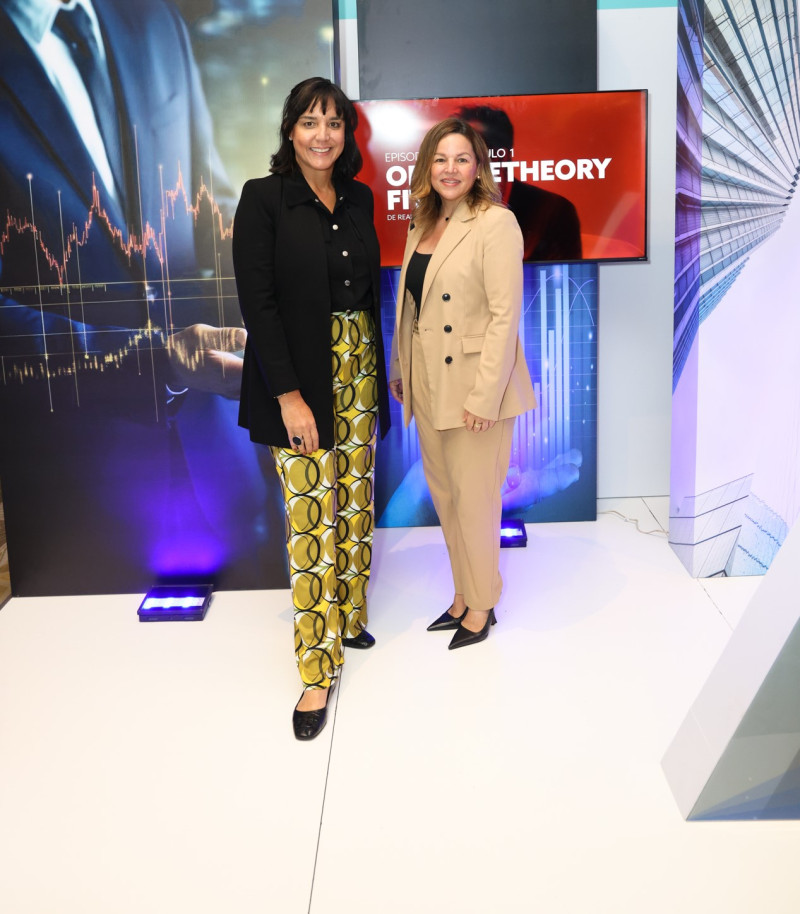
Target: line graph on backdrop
point(558, 332)
point(82, 289)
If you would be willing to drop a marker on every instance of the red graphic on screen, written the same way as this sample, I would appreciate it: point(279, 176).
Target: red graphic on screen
point(571, 167)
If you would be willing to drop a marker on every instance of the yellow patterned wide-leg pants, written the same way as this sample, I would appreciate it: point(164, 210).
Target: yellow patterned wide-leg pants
point(330, 509)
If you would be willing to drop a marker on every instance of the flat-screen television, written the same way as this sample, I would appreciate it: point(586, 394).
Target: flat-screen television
point(572, 167)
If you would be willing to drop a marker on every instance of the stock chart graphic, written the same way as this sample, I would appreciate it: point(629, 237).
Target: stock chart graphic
point(119, 350)
point(120, 333)
point(79, 315)
point(120, 344)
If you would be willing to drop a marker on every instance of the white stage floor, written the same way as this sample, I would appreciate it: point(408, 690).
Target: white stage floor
point(151, 768)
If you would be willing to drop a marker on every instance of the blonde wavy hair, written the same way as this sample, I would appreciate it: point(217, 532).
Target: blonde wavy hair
point(484, 192)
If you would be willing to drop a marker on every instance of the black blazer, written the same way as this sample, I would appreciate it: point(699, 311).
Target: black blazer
point(281, 272)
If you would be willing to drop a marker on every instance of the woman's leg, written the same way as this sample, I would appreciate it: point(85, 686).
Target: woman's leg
point(478, 465)
point(309, 490)
point(465, 473)
point(436, 470)
point(329, 513)
point(355, 396)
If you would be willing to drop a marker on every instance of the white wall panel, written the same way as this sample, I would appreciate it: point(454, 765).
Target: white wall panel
point(637, 49)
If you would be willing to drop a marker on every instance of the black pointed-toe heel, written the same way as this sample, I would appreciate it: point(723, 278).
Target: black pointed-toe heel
point(464, 637)
point(309, 724)
point(363, 641)
point(446, 622)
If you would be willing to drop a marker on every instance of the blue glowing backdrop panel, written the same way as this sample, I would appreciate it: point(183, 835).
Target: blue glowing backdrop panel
point(121, 459)
point(553, 461)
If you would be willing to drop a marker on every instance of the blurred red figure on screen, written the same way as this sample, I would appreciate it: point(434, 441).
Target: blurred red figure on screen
point(551, 230)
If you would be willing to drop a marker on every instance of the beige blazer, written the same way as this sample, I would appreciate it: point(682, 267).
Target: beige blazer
point(468, 321)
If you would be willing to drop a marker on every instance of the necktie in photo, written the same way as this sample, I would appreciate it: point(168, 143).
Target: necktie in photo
point(74, 28)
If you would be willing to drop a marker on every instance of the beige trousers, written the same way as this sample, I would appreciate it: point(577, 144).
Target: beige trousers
point(465, 472)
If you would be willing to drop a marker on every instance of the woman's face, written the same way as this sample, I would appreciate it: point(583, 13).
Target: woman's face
point(318, 140)
point(454, 168)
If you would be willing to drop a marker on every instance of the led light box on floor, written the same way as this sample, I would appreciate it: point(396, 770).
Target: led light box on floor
point(176, 603)
point(512, 534)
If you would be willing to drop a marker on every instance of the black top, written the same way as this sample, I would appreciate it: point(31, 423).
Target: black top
point(348, 266)
point(415, 277)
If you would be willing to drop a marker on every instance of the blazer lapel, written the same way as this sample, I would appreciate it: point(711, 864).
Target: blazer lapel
point(50, 121)
point(125, 61)
point(459, 227)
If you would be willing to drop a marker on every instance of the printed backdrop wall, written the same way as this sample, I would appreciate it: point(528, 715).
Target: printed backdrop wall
point(121, 458)
point(120, 337)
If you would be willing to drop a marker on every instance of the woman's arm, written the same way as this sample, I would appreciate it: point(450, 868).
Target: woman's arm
point(502, 285)
point(254, 231)
point(254, 266)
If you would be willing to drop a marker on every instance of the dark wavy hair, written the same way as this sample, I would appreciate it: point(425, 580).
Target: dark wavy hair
point(484, 191)
point(302, 98)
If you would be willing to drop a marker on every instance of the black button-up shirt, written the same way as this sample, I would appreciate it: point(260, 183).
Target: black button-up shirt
point(348, 268)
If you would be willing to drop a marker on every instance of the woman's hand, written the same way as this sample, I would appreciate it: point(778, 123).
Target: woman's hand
point(396, 389)
point(299, 422)
point(474, 423)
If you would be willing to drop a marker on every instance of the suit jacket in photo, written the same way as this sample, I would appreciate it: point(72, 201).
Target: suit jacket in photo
point(105, 485)
point(48, 176)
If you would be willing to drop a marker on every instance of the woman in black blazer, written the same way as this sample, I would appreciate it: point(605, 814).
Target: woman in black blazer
point(307, 270)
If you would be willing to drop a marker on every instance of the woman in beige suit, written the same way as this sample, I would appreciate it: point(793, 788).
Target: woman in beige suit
point(457, 362)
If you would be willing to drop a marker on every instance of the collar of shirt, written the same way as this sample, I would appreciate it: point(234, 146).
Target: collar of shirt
point(35, 18)
point(297, 190)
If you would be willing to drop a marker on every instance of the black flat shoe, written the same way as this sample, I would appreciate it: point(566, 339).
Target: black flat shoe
point(446, 622)
point(308, 724)
point(464, 637)
point(363, 641)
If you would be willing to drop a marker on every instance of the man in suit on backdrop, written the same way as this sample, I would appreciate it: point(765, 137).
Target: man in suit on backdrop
point(119, 337)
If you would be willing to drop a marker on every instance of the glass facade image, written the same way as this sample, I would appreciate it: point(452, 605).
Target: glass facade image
point(739, 121)
point(734, 443)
